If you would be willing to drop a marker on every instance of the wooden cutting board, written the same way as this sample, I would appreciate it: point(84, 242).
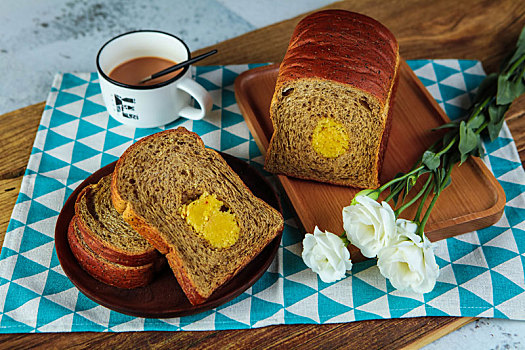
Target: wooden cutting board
point(473, 201)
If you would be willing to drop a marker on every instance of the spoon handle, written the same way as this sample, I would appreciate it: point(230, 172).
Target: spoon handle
point(178, 66)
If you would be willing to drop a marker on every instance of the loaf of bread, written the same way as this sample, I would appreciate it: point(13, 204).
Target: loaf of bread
point(108, 272)
point(104, 230)
point(191, 206)
point(331, 109)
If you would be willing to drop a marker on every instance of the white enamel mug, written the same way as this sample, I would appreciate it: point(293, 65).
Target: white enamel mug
point(150, 106)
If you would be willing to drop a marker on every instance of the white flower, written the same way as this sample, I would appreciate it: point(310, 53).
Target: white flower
point(326, 254)
point(369, 226)
point(409, 263)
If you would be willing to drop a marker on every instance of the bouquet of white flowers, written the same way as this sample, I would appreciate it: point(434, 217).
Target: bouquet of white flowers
point(404, 254)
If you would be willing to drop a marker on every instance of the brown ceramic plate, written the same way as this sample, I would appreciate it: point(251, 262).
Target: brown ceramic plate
point(164, 297)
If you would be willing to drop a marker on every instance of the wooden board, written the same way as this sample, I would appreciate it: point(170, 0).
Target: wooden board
point(482, 30)
point(474, 200)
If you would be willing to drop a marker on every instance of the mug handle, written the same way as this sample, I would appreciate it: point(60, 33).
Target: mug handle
point(200, 94)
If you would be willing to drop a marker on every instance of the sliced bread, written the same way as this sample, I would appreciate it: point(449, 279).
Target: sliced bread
point(105, 271)
point(331, 109)
point(189, 204)
point(104, 230)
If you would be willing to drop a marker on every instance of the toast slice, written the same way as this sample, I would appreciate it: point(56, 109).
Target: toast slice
point(108, 272)
point(104, 231)
point(191, 206)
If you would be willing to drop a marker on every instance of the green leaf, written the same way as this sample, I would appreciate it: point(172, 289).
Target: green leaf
point(468, 140)
point(496, 114)
point(486, 88)
point(508, 89)
point(481, 151)
point(395, 198)
point(411, 181)
point(449, 136)
point(476, 121)
point(431, 160)
point(513, 57)
point(447, 126)
point(463, 158)
point(445, 159)
point(446, 183)
point(438, 177)
point(494, 129)
point(520, 44)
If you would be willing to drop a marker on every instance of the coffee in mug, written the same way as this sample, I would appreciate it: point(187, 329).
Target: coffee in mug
point(133, 71)
point(157, 102)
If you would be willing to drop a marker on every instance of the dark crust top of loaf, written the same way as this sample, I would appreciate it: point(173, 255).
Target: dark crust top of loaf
point(117, 275)
point(154, 235)
point(342, 46)
point(95, 241)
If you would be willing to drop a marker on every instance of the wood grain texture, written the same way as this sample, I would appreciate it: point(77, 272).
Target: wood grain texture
point(374, 334)
point(18, 130)
point(482, 30)
point(515, 118)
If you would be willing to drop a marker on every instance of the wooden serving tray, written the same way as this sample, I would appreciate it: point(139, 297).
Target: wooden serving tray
point(473, 201)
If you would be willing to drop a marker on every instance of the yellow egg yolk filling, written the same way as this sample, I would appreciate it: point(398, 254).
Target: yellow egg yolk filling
point(220, 228)
point(329, 138)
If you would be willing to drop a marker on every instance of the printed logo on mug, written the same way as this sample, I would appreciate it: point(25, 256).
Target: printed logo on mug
point(126, 59)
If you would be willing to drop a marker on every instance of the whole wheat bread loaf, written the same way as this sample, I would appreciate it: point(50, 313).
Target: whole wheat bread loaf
point(106, 271)
point(333, 100)
point(161, 175)
point(104, 230)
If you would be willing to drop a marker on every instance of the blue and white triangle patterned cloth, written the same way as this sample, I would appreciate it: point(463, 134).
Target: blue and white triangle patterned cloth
point(482, 272)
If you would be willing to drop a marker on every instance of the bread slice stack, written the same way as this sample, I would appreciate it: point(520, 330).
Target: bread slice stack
point(332, 106)
point(193, 208)
point(170, 194)
point(105, 245)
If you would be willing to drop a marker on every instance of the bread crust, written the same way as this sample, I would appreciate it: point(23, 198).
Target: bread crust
point(107, 272)
point(388, 124)
point(368, 65)
point(155, 237)
point(345, 48)
point(104, 248)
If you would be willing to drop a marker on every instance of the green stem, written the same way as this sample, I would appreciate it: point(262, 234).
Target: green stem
point(432, 147)
point(397, 179)
point(397, 189)
point(482, 127)
point(424, 199)
point(390, 196)
point(479, 108)
point(345, 240)
point(516, 65)
point(413, 200)
point(450, 144)
point(421, 228)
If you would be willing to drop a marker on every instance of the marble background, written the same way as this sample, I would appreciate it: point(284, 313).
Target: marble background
point(40, 38)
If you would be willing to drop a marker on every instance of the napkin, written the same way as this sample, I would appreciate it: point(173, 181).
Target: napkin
point(482, 272)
